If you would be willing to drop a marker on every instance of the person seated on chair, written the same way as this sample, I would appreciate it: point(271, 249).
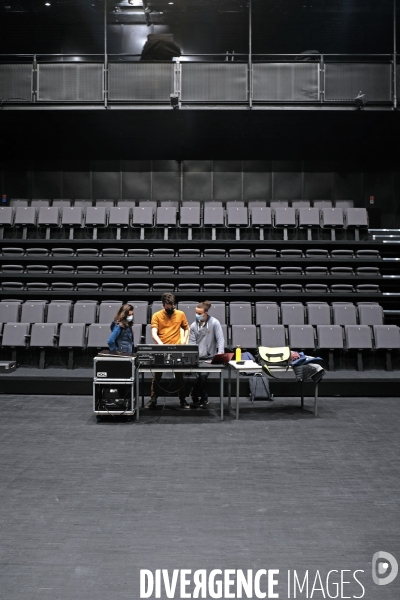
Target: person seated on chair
point(121, 338)
point(166, 327)
point(206, 332)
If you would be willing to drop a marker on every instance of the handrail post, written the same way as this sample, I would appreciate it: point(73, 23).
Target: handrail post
point(250, 67)
point(105, 57)
point(322, 79)
point(34, 79)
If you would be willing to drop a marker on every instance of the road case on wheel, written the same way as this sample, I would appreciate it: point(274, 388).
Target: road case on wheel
point(113, 386)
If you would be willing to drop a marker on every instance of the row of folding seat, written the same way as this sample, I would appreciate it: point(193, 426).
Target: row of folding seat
point(155, 203)
point(193, 270)
point(188, 217)
point(299, 337)
point(266, 288)
point(219, 253)
point(234, 313)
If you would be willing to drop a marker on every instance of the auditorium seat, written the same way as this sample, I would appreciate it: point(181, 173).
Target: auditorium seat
point(289, 288)
point(344, 313)
point(113, 269)
point(48, 217)
point(66, 269)
point(319, 253)
point(265, 253)
point(266, 313)
point(370, 313)
point(113, 252)
point(265, 271)
point(104, 203)
point(368, 272)
point(188, 287)
point(189, 252)
point(240, 287)
point(322, 204)
point(244, 336)
point(279, 204)
point(71, 216)
point(240, 313)
point(98, 334)
point(332, 219)
point(62, 286)
point(148, 204)
point(344, 204)
point(140, 311)
point(37, 286)
point(137, 287)
point(36, 251)
point(87, 269)
point(56, 252)
point(25, 217)
point(163, 270)
point(155, 307)
point(220, 252)
point(10, 311)
point(72, 335)
point(218, 310)
point(316, 288)
point(16, 202)
point(6, 218)
point(213, 270)
point(292, 313)
point(318, 313)
point(290, 271)
point(300, 203)
point(189, 309)
point(236, 217)
point(387, 337)
point(239, 252)
point(83, 204)
point(240, 270)
point(60, 203)
point(284, 218)
point(87, 252)
point(368, 288)
point(13, 269)
point(138, 270)
point(368, 254)
point(308, 218)
point(358, 337)
point(273, 336)
point(59, 312)
point(148, 338)
point(15, 335)
point(330, 337)
point(189, 217)
point(316, 271)
point(213, 217)
point(37, 203)
point(166, 217)
point(87, 286)
point(291, 253)
point(256, 203)
point(342, 271)
point(265, 287)
point(113, 286)
point(302, 337)
point(188, 203)
point(163, 287)
point(234, 204)
point(33, 311)
point(342, 254)
point(357, 219)
point(12, 286)
point(163, 252)
point(141, 252)
point(96, 216)
point(189, 270)
point(214, 287)
point(43, 335)
point(342, 288)
point(126, 203)
point(84, 312)
point(12, 251)
point(142, 217)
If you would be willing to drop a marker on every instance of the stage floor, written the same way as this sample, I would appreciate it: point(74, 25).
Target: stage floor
point(86, 505)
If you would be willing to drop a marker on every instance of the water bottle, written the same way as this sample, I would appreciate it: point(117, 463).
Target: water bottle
point(238, 353)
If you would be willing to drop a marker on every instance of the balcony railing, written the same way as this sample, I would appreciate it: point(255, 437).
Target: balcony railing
point(200, 80)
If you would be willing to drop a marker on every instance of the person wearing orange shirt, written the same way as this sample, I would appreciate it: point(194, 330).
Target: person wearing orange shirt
point(166, 325)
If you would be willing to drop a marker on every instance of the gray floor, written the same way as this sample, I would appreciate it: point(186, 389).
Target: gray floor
point(85, 505)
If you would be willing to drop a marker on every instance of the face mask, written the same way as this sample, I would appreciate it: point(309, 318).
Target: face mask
point(129, 318)
point(199, 318)
point(170, 311)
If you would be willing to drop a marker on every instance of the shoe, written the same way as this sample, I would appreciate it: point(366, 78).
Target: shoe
point(152, 404)
point(195, 400)
point(204, 402)
point(184, 405)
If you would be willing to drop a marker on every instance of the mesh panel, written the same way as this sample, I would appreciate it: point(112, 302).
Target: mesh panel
point(286, 82)
point(16, 81)
point(141, 81)
point(214, 82)
point(343, 81)
point(71, 82)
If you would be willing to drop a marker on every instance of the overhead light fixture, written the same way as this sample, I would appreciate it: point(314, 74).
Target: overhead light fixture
point(135, 2)
point(47, 4)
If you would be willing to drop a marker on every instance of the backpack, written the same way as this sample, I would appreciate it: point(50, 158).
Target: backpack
point(272, 356)
point(259, 387)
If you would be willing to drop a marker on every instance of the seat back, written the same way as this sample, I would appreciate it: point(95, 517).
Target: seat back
point(267, 313)
point(98, 334)
point(244, 336)
point(370, 314)
point(344, 313)
point(84, 312)
point(43, 335)
point(330, 337)
point(240, 313)
point(292, 313)
point(358, 337)
point(107, 311)
point(72, 335)
point(318, 313)
point(273, 336)
point(387, 337)
point(33, 312)
point(15, 334)
point(9, 312)
point(59, 312)
point(301, 336)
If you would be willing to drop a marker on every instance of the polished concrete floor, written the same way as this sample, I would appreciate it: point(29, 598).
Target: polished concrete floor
point(85, 505)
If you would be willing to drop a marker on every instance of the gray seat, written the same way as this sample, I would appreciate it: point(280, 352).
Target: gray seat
point(316, 253)
point(188, 287)
point(368, 254)
point(330, 337)
point(265, 287)
point(301, 203)
point(10, 311)
point(189, 252)
point(163, 252)
point(291, 253)
point(126, 203)
point(331, 218)
point(170, 203)
point(163, 287)
point(368, 272)
point(87, 252)
point(265, 253)
point(370, 314)
point(59, 312)
point(141, 252)
point(6, 217)
point(148, 204)
point(256, 203)
point(344, 204)
point(215, 252)
point(191, 203)
point(342, 271)
point(72, 216)
point(237, 217)
point(234, 252)
point(316, 271)
point(66, 269)
point(234, 204)
point(302, 337)
point(155, 307)
point(308, 218)
point(113, 252)
point(387, 337)
point(37, 286)
point(358, 337)
point(189, 309)
point(284, 218)
point(140, 311)
point(137, 331)
point(84, 204)
point(148, 338)
point(16, 335)
point(84, 312)
point(342, 254)
point(322, 203)
point(318, 313)
point(240, 313)
point(138, 270)
point(214, 287)
point(49, 217)
point(344, 313)
point(292, 313)
point(244, 336)
point(368, 288)
point(12, 269)
point(279, 204)
point(289, 288)
point(114, 286)
point(213, 217)
point(98, 334)
point(163, 270)
point(142, 217)
point(240, 287)
point(87, 269)
point(25, 216)
point(104, 203)
point(62, 252)
point(189, 270)
point(273, 336)
point(60, 203)
point(355, 218)
point(190, 216)
point(241, 270)
point(37, 269)
point(316, 288)
point(137, 287)
point(61, 286)
point(267, 313)
point(166, 217)
point(12, 285)
point(33, 312)
point(213, 270)
point(35, 252)
point(218, 311)
point(72, 335)
point(44, 335)
point(15, 202)
point(87, 286)
point(342, 288)
point(96, 216)
point(113, 269)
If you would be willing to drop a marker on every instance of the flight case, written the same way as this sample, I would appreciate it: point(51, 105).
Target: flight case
point(113, 386)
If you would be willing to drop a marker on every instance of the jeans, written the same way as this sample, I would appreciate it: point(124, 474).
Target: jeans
point(176, 385)
point(199, 389)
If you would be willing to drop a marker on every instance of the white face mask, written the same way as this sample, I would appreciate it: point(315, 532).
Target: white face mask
point(129, 318)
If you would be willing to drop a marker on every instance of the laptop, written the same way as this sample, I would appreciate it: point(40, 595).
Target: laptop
point(222, 359)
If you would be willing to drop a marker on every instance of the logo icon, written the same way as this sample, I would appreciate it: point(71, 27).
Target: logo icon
point(101, 374)
point(380, 568)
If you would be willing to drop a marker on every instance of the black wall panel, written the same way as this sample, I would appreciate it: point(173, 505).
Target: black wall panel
point(348, 182)
point(136, 179)
point(106, 179)
point(166, 180)
point(287, 180)
point(197, 179)
point(381, 186)
point(318, 180)
point(227, 180)
point(257, 180)
point(76, 179)
point(16, 179)
point(46, 179)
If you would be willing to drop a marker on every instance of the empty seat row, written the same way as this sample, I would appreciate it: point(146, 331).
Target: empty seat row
point(155, 203)
point(234, 313)
point(245, 288)
point(189, 270)
point(218, 253)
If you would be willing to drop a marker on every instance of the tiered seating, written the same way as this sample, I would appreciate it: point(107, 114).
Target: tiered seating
point(315, 326)
point(82, 217)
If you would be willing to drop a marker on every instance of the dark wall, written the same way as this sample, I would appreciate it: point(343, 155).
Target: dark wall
point(206, 179)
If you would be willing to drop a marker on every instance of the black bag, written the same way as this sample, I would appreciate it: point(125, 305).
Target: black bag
point(259, 387)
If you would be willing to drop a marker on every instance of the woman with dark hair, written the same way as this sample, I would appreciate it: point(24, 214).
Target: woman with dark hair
point(121, 338)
